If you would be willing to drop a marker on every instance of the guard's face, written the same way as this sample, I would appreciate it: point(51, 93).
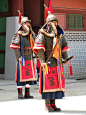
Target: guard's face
point(55, 23)
point(27, 24)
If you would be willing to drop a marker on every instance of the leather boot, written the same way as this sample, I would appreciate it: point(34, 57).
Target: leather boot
point(20, 95)
point(27, 93)
point(54, 106)
point(48, 106)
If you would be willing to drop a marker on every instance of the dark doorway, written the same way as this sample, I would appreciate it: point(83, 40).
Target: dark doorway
point(34, 10)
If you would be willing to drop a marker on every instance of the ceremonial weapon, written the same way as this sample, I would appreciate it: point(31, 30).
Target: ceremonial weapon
point(68, 59)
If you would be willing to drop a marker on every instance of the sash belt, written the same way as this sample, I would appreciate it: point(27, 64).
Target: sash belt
point(28, 51)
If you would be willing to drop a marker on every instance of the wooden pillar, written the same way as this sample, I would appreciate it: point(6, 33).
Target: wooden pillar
point(16, 5)
point(46, 2)
point(42, 12)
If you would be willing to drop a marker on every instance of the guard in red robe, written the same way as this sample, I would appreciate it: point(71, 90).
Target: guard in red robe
point(23, 42)
point(52, 80)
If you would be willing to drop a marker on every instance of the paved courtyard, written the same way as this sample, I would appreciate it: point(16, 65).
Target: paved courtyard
point(72, 104)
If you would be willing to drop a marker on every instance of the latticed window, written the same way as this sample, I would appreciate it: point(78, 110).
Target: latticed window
point(75, 21)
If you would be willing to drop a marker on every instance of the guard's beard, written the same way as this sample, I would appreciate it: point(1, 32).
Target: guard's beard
point(54, 28)
point(26, 30)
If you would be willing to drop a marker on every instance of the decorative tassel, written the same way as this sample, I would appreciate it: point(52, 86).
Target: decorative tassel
point(46, 69)
point(20, 16)
point(71, 73)
point(50, 8)
point(46, 13)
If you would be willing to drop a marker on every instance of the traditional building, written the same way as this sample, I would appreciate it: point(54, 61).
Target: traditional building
point(72, 17)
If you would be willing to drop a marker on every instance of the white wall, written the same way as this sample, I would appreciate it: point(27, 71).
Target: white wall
point(10, 59)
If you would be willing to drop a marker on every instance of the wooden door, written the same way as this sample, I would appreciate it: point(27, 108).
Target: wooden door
point(2, 43)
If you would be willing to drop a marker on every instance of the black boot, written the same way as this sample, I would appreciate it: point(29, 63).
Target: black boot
point(20, 95)
point(48, 106)
point(38, 78)
point(27, 93)
point(54, 106)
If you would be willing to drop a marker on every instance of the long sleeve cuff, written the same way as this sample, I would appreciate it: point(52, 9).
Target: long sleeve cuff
point(17, 53)
point(64, 55)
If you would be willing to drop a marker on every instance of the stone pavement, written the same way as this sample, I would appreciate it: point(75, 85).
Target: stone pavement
point(74, 102)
